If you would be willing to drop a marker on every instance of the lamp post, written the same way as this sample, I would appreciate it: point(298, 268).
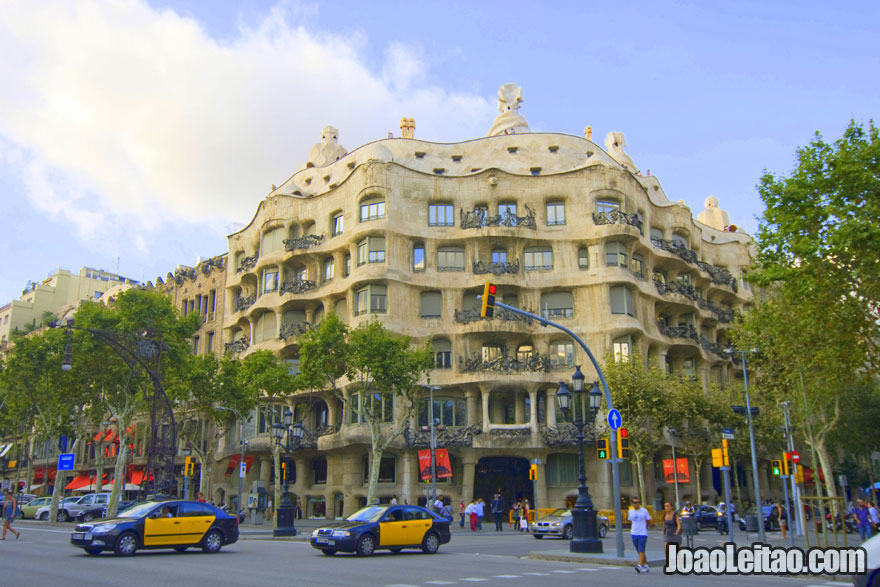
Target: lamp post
point(288, 437)
point(752, 441)
point(242, 445)
point(672, 433)
point(585, 530)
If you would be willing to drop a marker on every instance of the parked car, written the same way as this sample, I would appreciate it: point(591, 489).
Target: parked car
point(170, 524)
point(559, 523)
point(707, 516)
point(63, 509)
point(769, 516)
point(29, 509)
point(383, 527)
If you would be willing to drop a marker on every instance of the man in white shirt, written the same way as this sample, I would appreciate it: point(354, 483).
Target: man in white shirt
point(438, 504)
point(639, 518)
point(478, 507)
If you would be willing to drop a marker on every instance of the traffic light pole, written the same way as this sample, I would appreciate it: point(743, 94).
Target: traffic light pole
point(725, 478)
point(615, 460)
point(787, 507)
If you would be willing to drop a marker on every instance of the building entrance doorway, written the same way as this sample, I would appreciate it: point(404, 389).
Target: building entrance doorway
point(509, 474)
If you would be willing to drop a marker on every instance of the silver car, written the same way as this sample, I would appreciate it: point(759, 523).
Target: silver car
point(559, 523)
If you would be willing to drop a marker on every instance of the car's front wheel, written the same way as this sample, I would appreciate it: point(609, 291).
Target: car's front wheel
point(126, 544)
point(212, 542)
point(366, 545)
point(87, 517)
point(430, 543)
point(62, 516)
point(44, 516)
point(568, 532)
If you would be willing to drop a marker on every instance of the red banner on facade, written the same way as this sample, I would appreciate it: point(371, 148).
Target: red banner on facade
point(681, 468)
point(444, 467)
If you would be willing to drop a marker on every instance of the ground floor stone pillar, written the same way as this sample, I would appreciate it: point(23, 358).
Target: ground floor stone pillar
point(473, 409)
point(266, 471)
point(469, 463)
point(484, 392)
point(541, 495)
point(533, 411)
point(409, 469)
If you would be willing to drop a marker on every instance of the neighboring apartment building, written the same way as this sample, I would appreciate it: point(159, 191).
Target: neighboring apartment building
point(200, 289)
point(58, 293)
point(408, 231)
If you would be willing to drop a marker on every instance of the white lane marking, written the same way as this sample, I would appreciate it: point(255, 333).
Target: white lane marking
point(563, 572)
point(401, 585)
point(534, 574)
point(508, 576)
point(587, 569)
point(440, 582)
point(474, 579)
point(31, 529)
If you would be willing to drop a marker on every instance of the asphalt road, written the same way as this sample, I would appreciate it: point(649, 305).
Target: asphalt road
point(43, 556)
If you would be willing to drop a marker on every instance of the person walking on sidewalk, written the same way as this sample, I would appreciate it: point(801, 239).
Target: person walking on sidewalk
point(862, 517)
point(782, 515)
point(524, 515)
point(9, 509)
point(671, 528)
point(480, 508)
point(498, 512)
point(514, 520)
point(640, 519)
point(471, 512)
point(461, 510)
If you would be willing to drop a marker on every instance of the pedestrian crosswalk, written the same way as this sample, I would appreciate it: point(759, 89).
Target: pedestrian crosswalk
point(506, 577)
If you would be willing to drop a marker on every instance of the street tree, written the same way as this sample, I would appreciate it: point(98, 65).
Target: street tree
point(374, 371)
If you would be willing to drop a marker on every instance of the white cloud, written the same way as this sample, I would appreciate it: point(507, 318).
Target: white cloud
point(130, 115)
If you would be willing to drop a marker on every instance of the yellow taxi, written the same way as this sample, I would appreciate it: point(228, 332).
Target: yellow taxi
point(383, 527)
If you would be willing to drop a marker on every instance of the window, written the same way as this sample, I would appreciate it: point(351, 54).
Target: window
point(677, 238)
point(684, 278)
point(265, 327)
point(506, 208)
point(637, 266)
point(386, 469)
point(346, 266)
point(196, 345)
point(371, 250)
point(336, 224)
point(419, 257)
point(557, 304)
point(430, 304)
point(442, 354)
point(379, 405)
point(300, 274)
point(273, 240)
point(656, 234)
point(607, 206)
point(538, 259)
point(555, 213)
point(622, 348)
point(319, 472)
point(688, 319)
point(373, 210)
point(615, 254)
point(562, 469)
point(329, 269)
point(449, 411)
point(450, 259)
point(660, 276)
point(524, 352)
point(270, 280)
point(561, 354)
point(371, 300)
point(621, 301)
point(491, 352)
point(499, 256)
point(688, 368)
point(210, 346)
point(440, 215)
point(583, 258)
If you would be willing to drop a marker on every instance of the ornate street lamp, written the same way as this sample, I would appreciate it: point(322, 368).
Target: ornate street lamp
point(288, 437)
point(586, 532)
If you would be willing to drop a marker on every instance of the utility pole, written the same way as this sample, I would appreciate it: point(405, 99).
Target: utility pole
point(799, 521)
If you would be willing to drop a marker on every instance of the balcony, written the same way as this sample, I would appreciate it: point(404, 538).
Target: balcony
point(248, 263)
point(241, 303)
point(479, 218)
point(724, 313)
point(501, 268)
point(680, 331)
point(718, 275)
point(305, 241)
point(294, 329)
point(449, 437)
point(473, 315)
point(617, 217)
point(237, 346)
point(534, 363)
point(296, 286)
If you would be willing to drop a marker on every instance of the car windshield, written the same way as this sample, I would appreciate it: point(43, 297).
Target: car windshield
point(138, 511)
point(368, 514)
point(560, 512)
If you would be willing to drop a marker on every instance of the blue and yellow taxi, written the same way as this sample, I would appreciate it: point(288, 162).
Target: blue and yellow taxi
point(177, 525)
point(383, 527)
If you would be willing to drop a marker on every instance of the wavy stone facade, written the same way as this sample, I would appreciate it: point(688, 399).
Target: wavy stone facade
point(556, 222)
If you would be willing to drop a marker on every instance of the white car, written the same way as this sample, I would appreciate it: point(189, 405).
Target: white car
point(63, 513)
point(872, 577)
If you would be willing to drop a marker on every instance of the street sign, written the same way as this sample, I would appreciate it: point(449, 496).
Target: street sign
point(795, 456)
point(843, 480)
point(66, 461)
point(727, 433)
point(614, 419)
point(242, 471)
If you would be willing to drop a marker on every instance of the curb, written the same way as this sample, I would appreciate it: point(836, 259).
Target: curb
point(587, 558)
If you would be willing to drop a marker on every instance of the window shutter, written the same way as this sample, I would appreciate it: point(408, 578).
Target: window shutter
point(618, 300)
point(441, 345)
point(268, 320)
point(294, 317)
point(557, 299)
point(341, 309)
point(431, 303)
point(470, 302)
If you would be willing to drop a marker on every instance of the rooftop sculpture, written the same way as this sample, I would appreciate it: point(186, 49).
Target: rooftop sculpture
point(510, 121)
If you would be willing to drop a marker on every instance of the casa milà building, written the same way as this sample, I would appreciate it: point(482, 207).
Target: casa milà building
point(409, 230)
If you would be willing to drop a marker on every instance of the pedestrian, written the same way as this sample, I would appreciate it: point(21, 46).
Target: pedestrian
point(9, 508)
point(471, 512)
point(524, 516)
point(200, 497)
point(446, 512)
point(863, 517)
point(782, 516)
point(438, 504)
point(514, 519)
point(875, 517)
point(671, 528)
point(640, 519)
point(480, 507)
point(393, 500)
point(497, 512)
point(461, 511)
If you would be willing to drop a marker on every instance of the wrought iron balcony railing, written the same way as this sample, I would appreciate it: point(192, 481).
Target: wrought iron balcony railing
point(296, 286)
point(499, 268)
point(479, 218)
point(617, 217)
point(303, 242)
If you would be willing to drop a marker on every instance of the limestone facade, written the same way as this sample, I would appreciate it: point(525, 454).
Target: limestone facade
point(409, 231)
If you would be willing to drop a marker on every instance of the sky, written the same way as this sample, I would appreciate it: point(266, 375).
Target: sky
point(136, 135)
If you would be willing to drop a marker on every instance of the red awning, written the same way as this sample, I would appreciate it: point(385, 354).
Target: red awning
point(111, 435)
point(99, 435)
point(137, 477)
point(130, 430)
point(40, 474)
point(81, 481)
point(234, 460)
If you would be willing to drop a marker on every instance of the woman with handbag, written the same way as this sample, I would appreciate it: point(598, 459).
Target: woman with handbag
point(671, 528)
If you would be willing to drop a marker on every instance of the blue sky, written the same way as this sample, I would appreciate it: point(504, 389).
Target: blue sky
point(139, 133)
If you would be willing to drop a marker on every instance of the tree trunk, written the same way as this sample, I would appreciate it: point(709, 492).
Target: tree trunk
point(60, 482)
point(825, 461)
point(276, 500)
point(375, 459)
point(698, 469)
point(733, 472)
point(118, 471)
point(641, 478)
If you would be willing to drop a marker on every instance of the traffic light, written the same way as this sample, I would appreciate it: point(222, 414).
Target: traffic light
point(488, 309)
point(717, 457)
point(786, 456)
point(602, 449)
point(776, 467)
point(533, 473)
point(622, 443)
point(189, 466)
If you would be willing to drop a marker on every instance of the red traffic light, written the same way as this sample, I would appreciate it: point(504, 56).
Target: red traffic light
point(623, 433)
point(492, 288)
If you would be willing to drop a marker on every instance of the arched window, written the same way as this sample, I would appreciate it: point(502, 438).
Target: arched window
point(440, 215)
point(583, 258)
point(623, 348)
point(555, 213)
point(538, 259)
point(273, 240)
point(450, 259)
point(372, 209)
point(561, 354)
point(329, 269)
